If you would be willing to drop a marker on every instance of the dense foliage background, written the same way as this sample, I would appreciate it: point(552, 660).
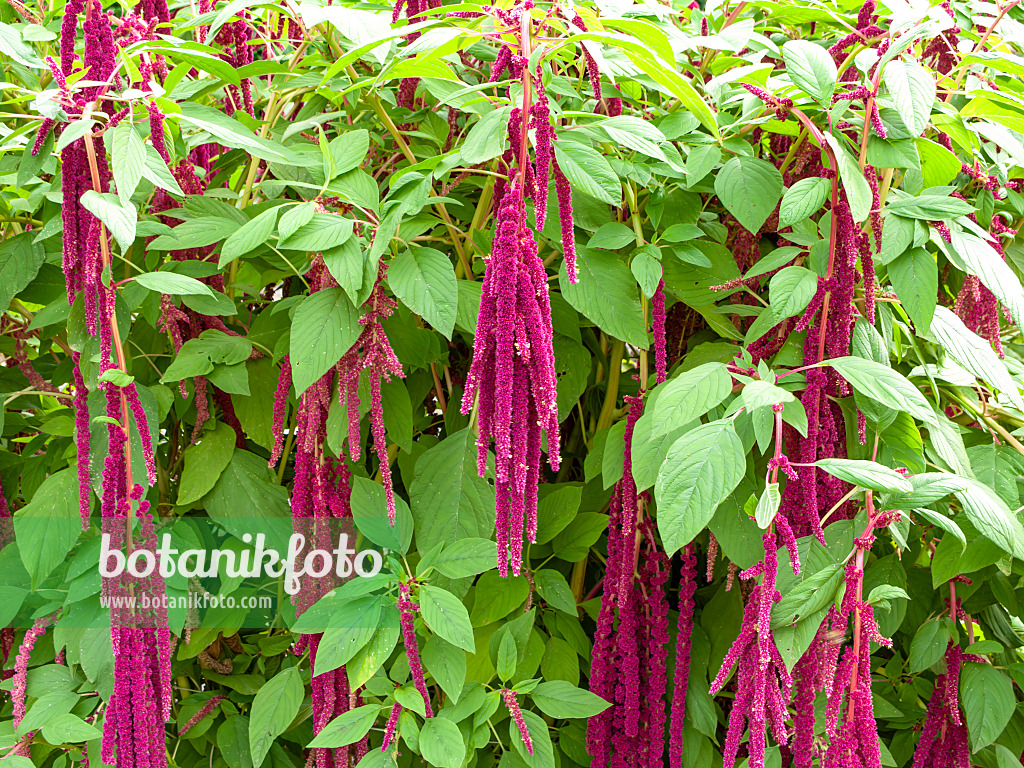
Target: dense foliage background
point(269, 239)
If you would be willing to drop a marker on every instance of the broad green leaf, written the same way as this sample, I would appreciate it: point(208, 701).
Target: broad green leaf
point(885, 385)
point(447, 616)
point(20, 260)
point(450, 501)
point(47, 527)
point(446, 663)
point(561, 700)
point(370, 514)
point(750, 189)
point(555, 590)
point(606, 294)
point(323, 232)
point(467, 557)
point(790, 291)
point(913, 92)
point(325, 327)
point(986, 696)
point(273, 710)
point(127, 160)
point(351, 628)
point(915, 276)
point(768, 505)
point(974, 354)
point(866, 474)
point(248, 236)
point(441, 743)
point(928, 646)
point(118, 217)
point(588, 171)
point(486, 139)
point(929, 207)
point(702, 468)
point(690, 395)
point(173, 284)
point(803, 199)
point(423, 278)
point(812, 69)
point(347, 728)
point(204, 461)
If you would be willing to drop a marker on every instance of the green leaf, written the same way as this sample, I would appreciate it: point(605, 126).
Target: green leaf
point(127, 160)
point(447, 665)
point(230, 132)
point(349, 150)
point(446, 616)
point(858, 191)
point(347, 728)
point(866, 474)
point(351, 628)
point(928, 646)
point(612, 236)
point(915, 276)
point(974, 353)
point(803, 199)
point(246, 492)
point(986, 695)
point(702, 468)
point(646, 268)
point(977, 257)
point(992, 517)
point(811, 68)
point(248, 236)
point(423, 278)
point(173, 284)
point(69, 729)
point(450, 501)
point(588, 172)
point(325, 327)
point(20, 260)
point(195, 233)
point(467, 557)
point(508, 657)
point(486, 139)
point(701, 161)
point(441, 743)
point(768, 505)
point(370, 513)
point(323, 232)
point(790, 291)
point(119, 218)
point(885, 385)
point(48, 526)
point(72, 132)
point(750, 189)
point(273, 710)
point(913, 92)
point(562, 700)
point(606, 294)
point(690, 395)
point(294, 217)
point(929, 207)
point(555, 590)
point(204, 463)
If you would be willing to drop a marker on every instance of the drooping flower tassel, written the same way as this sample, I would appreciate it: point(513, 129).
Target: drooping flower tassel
point(763, 684)
point(406, 609)
point(512, 377)
point(509, 697)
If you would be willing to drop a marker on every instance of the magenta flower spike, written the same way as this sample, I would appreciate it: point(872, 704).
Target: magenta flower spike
point(407, 609)
point(392, 724)
point(509, 697)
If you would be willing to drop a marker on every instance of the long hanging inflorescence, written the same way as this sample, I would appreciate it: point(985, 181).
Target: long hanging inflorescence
point(943, 742)
point(512, 383)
